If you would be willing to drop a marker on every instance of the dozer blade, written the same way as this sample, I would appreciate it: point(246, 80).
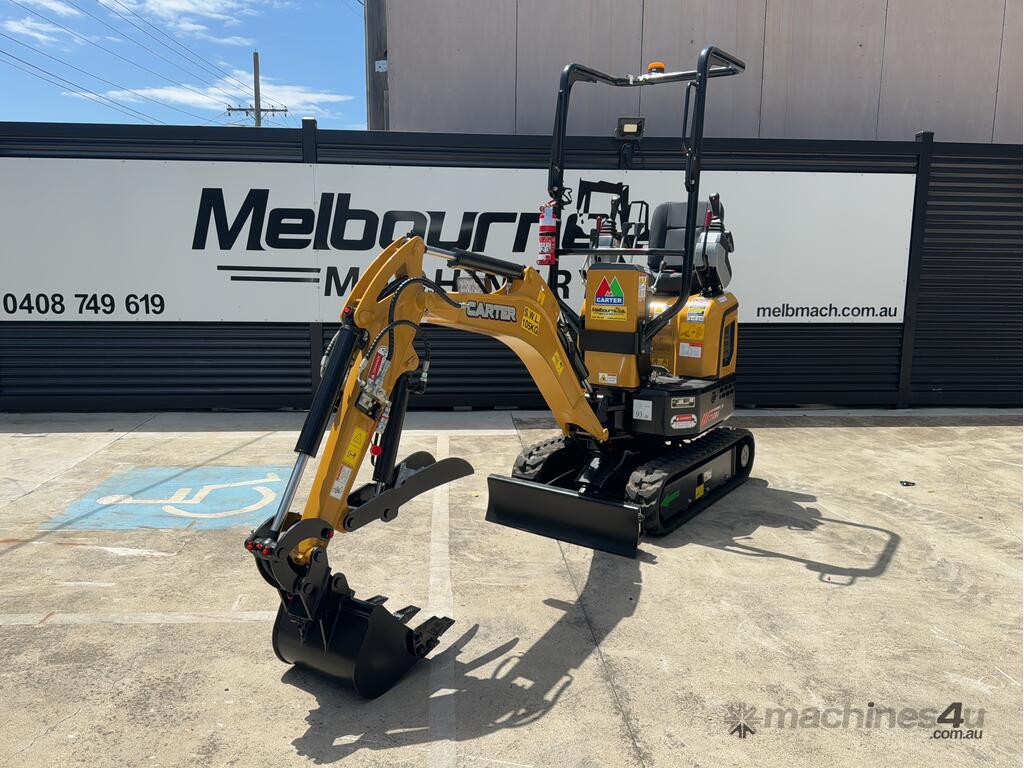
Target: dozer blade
point(357, 641)
point(562, 514)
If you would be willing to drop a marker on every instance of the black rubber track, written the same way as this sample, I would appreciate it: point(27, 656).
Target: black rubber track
point(534, 461)
point(647, 482)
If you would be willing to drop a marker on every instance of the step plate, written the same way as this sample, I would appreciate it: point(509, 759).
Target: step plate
point(564, 515)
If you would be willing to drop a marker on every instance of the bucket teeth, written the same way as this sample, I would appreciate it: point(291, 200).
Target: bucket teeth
point(377, 600)
point(428, 634)
point(406, 613)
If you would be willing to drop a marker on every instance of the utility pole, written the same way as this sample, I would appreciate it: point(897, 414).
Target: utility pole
point(257, 110)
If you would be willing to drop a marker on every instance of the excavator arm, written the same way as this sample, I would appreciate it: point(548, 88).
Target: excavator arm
point(386, 307)
point(367, 378)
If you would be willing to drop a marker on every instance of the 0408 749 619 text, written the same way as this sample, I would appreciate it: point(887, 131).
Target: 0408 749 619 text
point(81, 304)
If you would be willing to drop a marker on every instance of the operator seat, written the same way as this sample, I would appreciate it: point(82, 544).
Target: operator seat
point(668, 230)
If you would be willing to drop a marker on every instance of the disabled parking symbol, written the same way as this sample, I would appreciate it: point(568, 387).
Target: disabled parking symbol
point(178, 497)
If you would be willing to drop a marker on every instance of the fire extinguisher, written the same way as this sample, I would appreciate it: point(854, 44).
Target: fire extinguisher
point(547, 251)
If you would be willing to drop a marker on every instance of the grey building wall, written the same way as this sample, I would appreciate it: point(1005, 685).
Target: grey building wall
point(828, 69)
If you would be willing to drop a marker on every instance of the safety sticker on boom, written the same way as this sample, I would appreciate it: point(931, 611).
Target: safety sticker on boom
point(355, 447)
point(338, 489)
point(531, 321)
point(379, 366)
point(556, 360)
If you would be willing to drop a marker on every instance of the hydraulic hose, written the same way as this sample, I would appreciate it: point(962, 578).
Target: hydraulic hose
point(394, 301)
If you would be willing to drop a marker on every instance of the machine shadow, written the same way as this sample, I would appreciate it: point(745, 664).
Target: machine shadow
point(756, 504)
point(520, 690)
point(450, 697)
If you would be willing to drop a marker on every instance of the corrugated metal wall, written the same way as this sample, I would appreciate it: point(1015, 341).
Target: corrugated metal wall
point(141, 366)
point(805, 363)
point(968, 340)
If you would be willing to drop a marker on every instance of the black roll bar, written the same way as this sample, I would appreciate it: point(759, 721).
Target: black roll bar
point(713, 62)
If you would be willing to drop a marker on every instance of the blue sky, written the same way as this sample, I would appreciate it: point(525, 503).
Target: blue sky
point(181, 61)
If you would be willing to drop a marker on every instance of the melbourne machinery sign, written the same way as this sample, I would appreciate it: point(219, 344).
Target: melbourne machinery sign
point(285, 242)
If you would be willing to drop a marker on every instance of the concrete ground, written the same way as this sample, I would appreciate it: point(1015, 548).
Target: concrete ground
point(822, 586)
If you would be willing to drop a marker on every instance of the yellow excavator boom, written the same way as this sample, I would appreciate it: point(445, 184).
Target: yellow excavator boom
point(522, 314)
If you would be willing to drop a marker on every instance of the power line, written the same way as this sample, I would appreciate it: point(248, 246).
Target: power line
point(124, 108)
point(62, 87)
point(352, 9)
point(101, 79)
point(215, 118)
point(143, 46)
point(115, 54)
point(196, 58)
point(193, 58)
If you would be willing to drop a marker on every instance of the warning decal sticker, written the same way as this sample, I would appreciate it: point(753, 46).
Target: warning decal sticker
point(690, 349)
point(695, 314)
point(355, 447)
point(531, 321)
point(693, 331)
point(556, 360)
point(338, 489)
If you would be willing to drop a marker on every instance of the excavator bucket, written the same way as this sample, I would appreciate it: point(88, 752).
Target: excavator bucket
point(323, 626)
point(563, 514)
point(357, 641)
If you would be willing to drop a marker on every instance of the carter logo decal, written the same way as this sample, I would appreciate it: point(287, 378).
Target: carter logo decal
point(609, 293)
point(487, 311)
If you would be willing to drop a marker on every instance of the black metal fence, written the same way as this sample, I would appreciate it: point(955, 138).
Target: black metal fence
point(960, 343)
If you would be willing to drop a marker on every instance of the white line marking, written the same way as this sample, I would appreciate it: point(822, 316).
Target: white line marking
point(123, 551)
point(86, 583)
point(507, 432)
point(76, 619)
point(115, 551)
point(1015, 682)
point(969, 681)
point(497, 762)
point(440, 602)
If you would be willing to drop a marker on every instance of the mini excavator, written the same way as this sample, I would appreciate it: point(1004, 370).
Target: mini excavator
point(640, 381)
